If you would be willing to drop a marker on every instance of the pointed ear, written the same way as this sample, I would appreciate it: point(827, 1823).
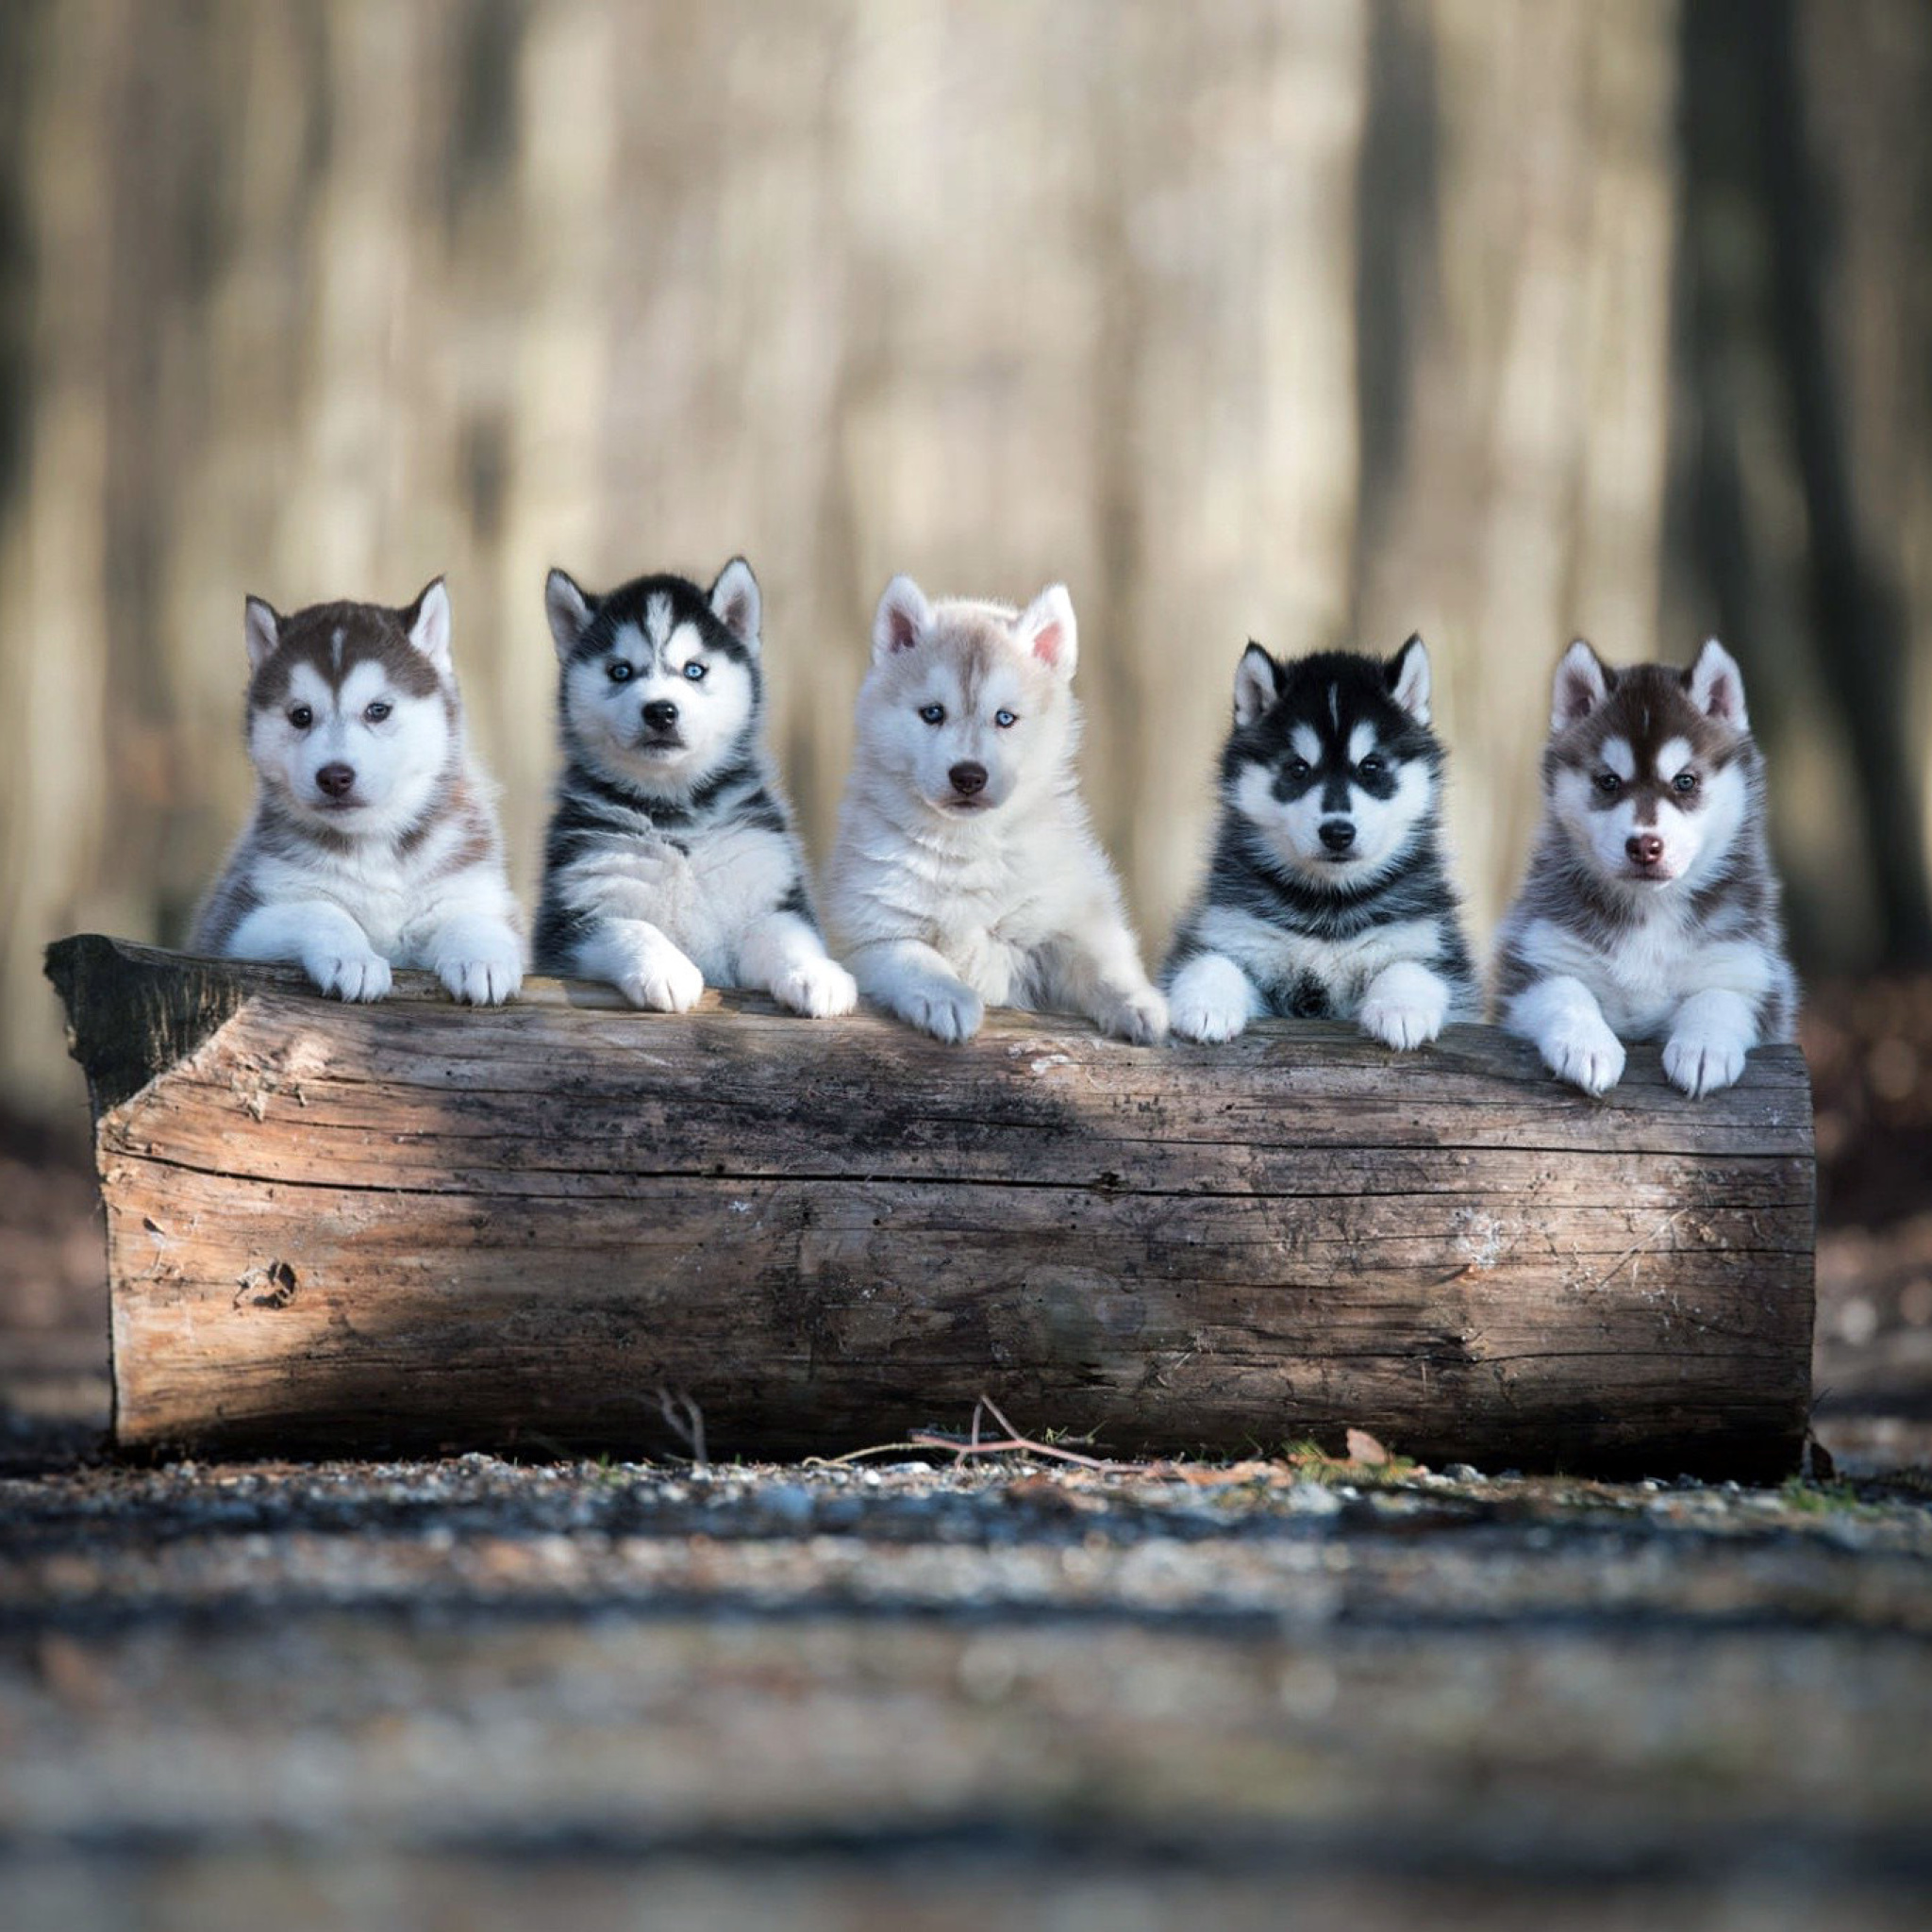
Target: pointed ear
point(428, 623)
point(1257, 685)
point(1048, 630)
point(901, 621)
point(736, 604)
point(1582, 684)
point(1716, 686)
point(262, 630)
point(569, 611)
point(1408, 680)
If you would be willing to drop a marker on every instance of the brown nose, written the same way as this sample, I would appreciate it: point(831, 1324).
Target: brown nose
point(967, 779)
point(337, 780)
point(1647, 848)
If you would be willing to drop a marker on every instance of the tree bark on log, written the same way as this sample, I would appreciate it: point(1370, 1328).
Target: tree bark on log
point(412, 1227)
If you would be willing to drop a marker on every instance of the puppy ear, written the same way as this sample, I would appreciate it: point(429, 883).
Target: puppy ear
point(1716, 686)
point(1257, 685)
point(736, 604)
point(901, 621)
point(261, 628)
point(1048, 630)
point(1582, 685)
point(428, 623)
point(1408, 680)
point(569, 611)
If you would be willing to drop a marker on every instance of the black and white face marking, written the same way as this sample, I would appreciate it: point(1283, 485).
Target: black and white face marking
point(350, 720)
point(659, 680)
point(1332, 761)
point(1643, 770)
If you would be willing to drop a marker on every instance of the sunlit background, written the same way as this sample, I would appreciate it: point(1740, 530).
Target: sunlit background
point(1322, 323)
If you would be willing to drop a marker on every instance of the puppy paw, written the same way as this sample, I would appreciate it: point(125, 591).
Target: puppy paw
point(1141, 1019)
point(947, 1014)
point(1700, 1063)
point(1211, 1001)
point(487, 979)
point(818, 988)
point(1585, 1053)
point(350, 975)
point(662, 981)
point(1399, 1023)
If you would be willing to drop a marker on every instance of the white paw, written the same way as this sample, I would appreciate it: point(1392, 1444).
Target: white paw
point(1141, 1019)
point(486, 982)
point(949, 1014)
point(350, 975)
point(1212, 1001)
point(662, 981)
point(1584, 1052)
point(1398, 1024)
point(818, 988)
point(1700, 1063)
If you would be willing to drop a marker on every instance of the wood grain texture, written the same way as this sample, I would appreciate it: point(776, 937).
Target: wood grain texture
point(414, 1227)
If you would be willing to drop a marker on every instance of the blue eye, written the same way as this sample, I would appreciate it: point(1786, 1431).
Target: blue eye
point(694, 671)
point(1004, 720)
point(377, 712)
point(620, 672)
point(933, 714)
point(1685, 782)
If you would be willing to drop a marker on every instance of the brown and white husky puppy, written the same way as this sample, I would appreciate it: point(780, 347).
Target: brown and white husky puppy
point(1650, 910)
point(374, 842)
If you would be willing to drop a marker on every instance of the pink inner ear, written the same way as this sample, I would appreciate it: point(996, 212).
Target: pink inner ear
point(1047, 642)
point(901, 629)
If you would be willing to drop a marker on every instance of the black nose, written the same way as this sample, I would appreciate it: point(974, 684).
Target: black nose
point(1647, 848)
point(1337, 834)
point(337, 780)
point(660, 714)
point(967, 779)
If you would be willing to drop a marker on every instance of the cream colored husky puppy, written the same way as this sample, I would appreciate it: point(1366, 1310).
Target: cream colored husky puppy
point(966, 874)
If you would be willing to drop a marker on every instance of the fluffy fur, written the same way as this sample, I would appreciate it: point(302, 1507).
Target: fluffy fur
point(966, 874)
point(672, 862)
point(1650, 910)
point(1326, 894)
point(374, 842)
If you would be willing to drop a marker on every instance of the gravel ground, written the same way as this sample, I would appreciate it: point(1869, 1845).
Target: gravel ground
point(454, 1694)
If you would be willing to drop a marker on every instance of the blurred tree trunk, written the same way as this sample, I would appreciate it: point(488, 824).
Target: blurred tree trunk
point(1770, 527)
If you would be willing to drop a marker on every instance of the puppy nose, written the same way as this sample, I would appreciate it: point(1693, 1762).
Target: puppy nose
point(337, 780)
point(967, 779)
point(1337, 834)
point(660, 714)
point(1647, 848)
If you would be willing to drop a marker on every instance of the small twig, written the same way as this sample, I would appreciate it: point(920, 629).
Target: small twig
point(1663, 1227)
point(859, 1455)
point(1016, 1445)
point(685, 1421)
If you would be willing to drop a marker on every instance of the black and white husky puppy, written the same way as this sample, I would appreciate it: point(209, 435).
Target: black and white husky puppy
point(1650, 910)
point(1326, 895)
point(672, 862)
point(374, 842)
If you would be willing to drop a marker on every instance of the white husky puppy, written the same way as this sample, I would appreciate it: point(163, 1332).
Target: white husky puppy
point(966, 874)
point(374, 842)
point(1650, 910)
point(671, 860)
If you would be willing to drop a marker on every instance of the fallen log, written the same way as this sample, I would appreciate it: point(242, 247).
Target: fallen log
point(565, 1227)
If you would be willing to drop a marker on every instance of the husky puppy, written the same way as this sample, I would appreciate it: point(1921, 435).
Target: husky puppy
point(1650, 910)
point(966, 874)
point(672, 862)
point(1326, 894)
point(374, 841)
